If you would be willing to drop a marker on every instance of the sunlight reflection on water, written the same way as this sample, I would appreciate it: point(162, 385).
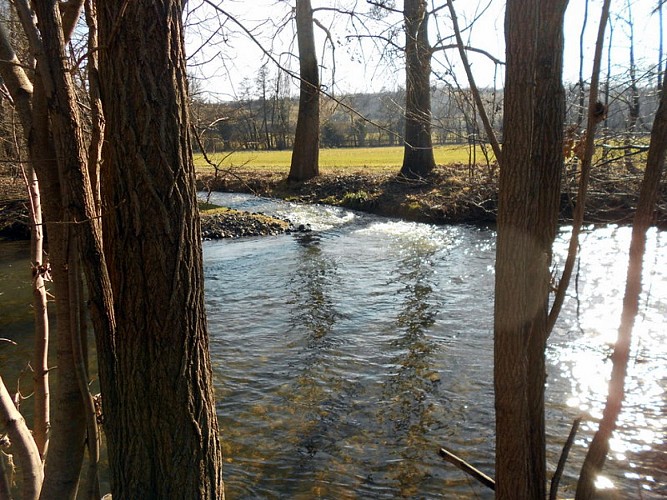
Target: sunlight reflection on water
point(585, 360)
point(345, 357)
point(390, 355)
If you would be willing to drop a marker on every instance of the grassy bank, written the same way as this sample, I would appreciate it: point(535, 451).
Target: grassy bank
point(339, 160)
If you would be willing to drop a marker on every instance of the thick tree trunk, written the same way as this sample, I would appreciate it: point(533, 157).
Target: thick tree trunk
point(305, 155)
point(527, 220)
point(156, 378)
point(515, 308)
point(418, 159)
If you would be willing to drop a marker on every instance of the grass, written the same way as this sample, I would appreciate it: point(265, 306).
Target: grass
point(342, 160)
point(211, 208)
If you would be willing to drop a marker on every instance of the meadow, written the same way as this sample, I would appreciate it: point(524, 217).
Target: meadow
point(340, 160)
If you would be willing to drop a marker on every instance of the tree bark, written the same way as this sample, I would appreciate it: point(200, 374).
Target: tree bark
point(305, 155)
point(156, 377)
point(40, 364)
point(418, 159)
point(547, 168)
point(76, 218)
point(529, 189)
point(96, 114)
point(24, 445)
point(67, 429)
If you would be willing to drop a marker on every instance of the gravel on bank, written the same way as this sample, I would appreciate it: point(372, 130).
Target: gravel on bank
point(233, 224)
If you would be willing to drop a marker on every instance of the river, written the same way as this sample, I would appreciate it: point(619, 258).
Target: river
point(346, 356)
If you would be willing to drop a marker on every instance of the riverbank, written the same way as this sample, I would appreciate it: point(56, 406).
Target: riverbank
point(453, 194)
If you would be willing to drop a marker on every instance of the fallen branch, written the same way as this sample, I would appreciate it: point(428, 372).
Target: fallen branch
point(467, 468)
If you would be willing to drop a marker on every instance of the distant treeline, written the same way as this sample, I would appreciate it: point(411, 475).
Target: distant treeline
point(265, 120)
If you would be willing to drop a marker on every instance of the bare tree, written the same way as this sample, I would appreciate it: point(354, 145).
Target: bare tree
point(305, 155)
point(418, 159)
point(50, 118)
point(527, 217)
point(633, 100)
point(160, 420)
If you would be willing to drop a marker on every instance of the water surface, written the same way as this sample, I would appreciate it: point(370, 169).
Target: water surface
point(345, 357)
point(348, 355)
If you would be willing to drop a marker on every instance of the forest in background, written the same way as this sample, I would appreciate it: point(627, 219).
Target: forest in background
point(265, 117)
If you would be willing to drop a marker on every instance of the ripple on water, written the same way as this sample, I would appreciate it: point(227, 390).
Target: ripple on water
point(373, 347)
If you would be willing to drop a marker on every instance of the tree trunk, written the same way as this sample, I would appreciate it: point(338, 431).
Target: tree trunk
point(96, 115)
point(418, 159)
point(67, 422)
point(156, 377)
point(76, 218)
point(40, 364)
point(548, 162)
point(633, 104)
point(527, 217)
point(305, 155)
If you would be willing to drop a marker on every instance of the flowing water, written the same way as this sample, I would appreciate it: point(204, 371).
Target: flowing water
point(345, 357)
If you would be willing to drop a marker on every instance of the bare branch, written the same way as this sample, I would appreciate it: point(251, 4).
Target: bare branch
point(23, 443)
point(467, 468)
point(384, 6)
point(495, 60)
point(293, 74)
point(385, 39)
point(586, 161)
point(473, 86)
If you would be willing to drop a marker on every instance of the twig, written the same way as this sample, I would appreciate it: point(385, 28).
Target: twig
point(553, 491)
point(467, 468)
point(216, 167)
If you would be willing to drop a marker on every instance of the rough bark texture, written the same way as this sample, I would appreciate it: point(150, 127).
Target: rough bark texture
point(96, 114)
point(644, 217)
point(527, 217)
point(418, 159)
point(66, 442)
point(305, 156)
point(156, 377)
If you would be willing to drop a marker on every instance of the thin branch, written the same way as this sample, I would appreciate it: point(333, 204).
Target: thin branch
point(296, 76)
point(578, 218)
point(383, 6)
point(461, 46)
point(385, 39)
point(495, 145)
point(555, 480)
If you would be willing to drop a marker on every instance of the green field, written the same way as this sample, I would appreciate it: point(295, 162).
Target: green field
point(342, 159)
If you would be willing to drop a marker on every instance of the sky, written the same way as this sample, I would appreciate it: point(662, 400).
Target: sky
point(225, 61)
